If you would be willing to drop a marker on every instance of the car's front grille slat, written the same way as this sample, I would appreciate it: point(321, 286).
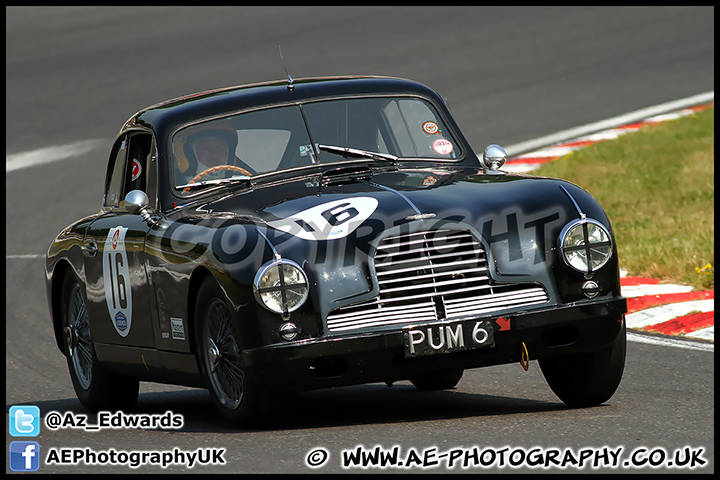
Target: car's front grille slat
point(489, 303)
point(443, 265)
point(432, 284)
point(432, 275)
point(384, 316)
point(459, 275)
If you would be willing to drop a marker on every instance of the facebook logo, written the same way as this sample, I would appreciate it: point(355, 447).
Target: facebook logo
point(24, 456)
point(24, 421)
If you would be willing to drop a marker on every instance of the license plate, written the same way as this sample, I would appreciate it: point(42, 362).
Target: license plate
point(447, 338)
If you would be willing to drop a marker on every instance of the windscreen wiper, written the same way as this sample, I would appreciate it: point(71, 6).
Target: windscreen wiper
point(348, 152)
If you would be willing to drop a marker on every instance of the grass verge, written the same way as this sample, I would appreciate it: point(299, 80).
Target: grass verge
point(657, 186)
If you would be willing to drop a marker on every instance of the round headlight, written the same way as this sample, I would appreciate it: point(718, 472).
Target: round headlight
point(281, 286)
point(585, 245)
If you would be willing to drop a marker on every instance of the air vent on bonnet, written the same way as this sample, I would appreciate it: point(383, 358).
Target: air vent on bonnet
point(344, 175)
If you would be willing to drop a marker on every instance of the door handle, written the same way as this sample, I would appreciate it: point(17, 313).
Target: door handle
point(89, 248)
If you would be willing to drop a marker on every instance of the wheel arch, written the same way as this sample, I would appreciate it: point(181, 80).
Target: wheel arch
point(61, 270)
point(201, 274)
point(198, 276)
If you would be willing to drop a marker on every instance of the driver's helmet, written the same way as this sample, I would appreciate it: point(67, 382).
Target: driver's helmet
point(185, 140)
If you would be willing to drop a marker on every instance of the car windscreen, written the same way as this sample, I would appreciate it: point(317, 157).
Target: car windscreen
point(277, 138)
point(405, 127)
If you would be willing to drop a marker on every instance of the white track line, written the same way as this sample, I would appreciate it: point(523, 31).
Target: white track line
point(49, 154)
point(607, 124)
point(632, 291)
point(670, 342)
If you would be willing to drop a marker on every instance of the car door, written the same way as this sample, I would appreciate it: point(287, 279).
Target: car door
point(119, 297)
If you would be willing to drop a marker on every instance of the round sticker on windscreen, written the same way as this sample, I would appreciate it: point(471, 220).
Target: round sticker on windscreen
point(430, 127)
point(442, 146)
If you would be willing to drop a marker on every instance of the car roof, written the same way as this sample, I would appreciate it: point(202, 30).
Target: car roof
point(165, 116)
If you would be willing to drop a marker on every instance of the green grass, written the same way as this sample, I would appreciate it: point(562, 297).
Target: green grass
point(657, 186)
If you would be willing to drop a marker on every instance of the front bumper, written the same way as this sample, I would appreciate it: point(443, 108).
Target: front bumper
point(380, 356)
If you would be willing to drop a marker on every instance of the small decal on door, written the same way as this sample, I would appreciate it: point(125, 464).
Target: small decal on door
point(178, 329)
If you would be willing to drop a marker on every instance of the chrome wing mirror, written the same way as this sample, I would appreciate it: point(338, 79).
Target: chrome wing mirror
point(494, 157)
point(137, 203)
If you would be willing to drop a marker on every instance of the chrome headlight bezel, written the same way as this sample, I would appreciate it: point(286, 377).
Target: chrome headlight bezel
point(281, 286)
point(585, 239)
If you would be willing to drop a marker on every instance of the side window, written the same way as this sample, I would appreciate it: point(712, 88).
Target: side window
point(128, 170)
point(151, 177)
point(138, 160)
point(116, 170)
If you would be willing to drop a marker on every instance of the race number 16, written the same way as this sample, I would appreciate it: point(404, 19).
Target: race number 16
point(116, 277)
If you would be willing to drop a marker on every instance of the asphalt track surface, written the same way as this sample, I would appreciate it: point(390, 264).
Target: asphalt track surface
point(509, 74)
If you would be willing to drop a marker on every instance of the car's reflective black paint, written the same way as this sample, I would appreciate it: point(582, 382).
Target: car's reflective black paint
point(227, 232)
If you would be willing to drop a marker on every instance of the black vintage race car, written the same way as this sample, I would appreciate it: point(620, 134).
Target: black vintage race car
point(278, 237)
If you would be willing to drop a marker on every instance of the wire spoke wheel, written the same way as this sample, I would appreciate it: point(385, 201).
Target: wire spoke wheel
point(96, 388)
point(223, 357)
point(77, 336)
point(237, 394)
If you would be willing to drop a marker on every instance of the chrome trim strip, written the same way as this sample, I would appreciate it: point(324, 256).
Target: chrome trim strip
point(577, 207)
point(401, 195)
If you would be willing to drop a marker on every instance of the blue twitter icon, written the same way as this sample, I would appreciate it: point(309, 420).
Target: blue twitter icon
point(24, 421)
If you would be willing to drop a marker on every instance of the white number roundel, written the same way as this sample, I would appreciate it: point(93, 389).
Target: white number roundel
point(116, 277)
point(328, 221)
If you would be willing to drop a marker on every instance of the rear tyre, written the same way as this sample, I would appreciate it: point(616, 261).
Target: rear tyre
point(96, 388)
point(235, 394)
point(587, 379)
point(443, 380)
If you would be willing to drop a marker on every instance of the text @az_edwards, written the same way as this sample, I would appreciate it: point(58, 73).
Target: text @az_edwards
point(114, 420)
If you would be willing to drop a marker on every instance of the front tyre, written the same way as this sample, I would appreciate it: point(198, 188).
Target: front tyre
point(238, 398)
point(587, 379)
point(96, 388)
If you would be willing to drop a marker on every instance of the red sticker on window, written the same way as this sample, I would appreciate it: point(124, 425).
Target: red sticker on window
point(136, 170)
point(430, 127)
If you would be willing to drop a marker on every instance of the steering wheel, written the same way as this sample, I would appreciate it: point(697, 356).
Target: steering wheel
point(218, 168)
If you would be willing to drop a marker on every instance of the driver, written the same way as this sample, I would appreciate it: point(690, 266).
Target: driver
point(201, 148)
point(210, 151)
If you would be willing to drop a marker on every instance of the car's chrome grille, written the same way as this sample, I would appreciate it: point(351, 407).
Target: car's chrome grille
point(432, 275)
